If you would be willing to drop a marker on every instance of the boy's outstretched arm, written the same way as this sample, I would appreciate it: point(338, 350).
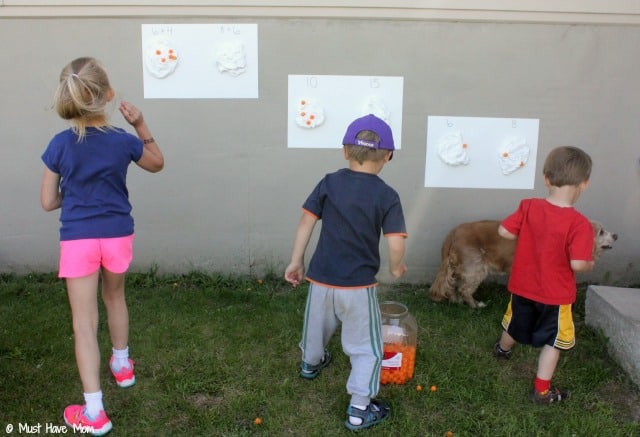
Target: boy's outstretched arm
point(582, 266)
point(396, 244)
point(502, 231)
point(294, 272)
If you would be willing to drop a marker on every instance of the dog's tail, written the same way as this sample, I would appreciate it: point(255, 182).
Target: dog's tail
point(443, 285)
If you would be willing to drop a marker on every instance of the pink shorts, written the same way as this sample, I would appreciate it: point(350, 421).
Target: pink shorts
point(79, 258)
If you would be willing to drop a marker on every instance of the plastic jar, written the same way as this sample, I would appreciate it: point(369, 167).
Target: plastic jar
point(399, 338)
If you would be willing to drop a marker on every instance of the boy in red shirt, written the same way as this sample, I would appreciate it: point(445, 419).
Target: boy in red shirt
point(554, 242)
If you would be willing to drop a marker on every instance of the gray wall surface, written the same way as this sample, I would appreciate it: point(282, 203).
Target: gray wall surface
point(229, 197)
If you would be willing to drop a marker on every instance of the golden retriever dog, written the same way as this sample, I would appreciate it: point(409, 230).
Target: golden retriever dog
point(472, 251)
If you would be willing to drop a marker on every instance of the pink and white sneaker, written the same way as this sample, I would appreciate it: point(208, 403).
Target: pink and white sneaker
point(76, 418)
point(124, 377)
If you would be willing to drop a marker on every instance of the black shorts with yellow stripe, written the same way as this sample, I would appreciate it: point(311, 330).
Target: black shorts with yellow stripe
point(537, 324)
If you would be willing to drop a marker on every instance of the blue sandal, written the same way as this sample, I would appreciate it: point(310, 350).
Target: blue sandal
point(376, 412)
point(309, 371)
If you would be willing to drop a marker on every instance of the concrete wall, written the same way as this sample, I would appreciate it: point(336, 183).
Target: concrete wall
point(616, 312)
point(230, 195)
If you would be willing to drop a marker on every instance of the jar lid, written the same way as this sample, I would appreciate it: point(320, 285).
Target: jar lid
point(394, 309)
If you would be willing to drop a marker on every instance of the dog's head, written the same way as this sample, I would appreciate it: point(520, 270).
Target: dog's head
point(602, 239)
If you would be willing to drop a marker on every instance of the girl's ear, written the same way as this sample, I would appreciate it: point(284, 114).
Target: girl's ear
point(110, 94)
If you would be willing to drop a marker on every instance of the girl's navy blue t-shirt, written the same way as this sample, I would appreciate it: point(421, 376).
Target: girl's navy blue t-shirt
point(95, 199)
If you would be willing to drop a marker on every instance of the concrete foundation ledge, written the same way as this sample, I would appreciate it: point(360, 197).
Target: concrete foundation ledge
point(616, 311)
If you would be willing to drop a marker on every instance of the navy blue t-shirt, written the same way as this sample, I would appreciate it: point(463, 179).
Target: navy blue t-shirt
point(354, 208)
point(95, 199)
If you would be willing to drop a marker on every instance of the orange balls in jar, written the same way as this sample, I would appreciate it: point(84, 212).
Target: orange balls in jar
point(402, 374)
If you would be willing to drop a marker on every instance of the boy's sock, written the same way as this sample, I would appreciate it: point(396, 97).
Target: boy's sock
point(120, 359)
point(93, 404)
point(502, 350)
point(356, 420)
point(541, 385)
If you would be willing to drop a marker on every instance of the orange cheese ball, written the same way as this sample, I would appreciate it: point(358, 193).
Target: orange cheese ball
point(257, 421)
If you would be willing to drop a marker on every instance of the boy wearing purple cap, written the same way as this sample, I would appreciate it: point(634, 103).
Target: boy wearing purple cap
point(355, 205)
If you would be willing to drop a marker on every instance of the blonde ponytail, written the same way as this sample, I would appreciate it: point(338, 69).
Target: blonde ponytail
point(82, 94)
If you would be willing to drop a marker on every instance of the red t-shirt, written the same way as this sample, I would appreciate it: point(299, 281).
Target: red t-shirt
point(549, 237)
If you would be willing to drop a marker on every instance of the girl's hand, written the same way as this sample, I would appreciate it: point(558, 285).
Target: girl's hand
point(130, 113)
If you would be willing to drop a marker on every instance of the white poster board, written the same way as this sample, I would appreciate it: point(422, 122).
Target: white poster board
point(200, 61)
point(320, 107)
point(477, 152)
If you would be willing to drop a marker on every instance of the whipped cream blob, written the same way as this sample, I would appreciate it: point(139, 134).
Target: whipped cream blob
point(160, 58)
point(513, 154)
point(452, 150)
point(309, 114)
point(231, 58)
point(376, 106)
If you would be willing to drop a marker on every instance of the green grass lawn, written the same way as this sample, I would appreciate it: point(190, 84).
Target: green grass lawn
point(213, 353)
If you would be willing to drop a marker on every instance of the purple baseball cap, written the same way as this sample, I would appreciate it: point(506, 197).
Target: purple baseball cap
point(371, 123)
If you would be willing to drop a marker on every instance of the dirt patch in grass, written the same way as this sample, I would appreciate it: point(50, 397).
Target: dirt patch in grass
point(627, 404)
point(205, 401)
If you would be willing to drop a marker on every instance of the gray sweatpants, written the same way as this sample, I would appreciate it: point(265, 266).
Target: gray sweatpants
point(359, 313)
